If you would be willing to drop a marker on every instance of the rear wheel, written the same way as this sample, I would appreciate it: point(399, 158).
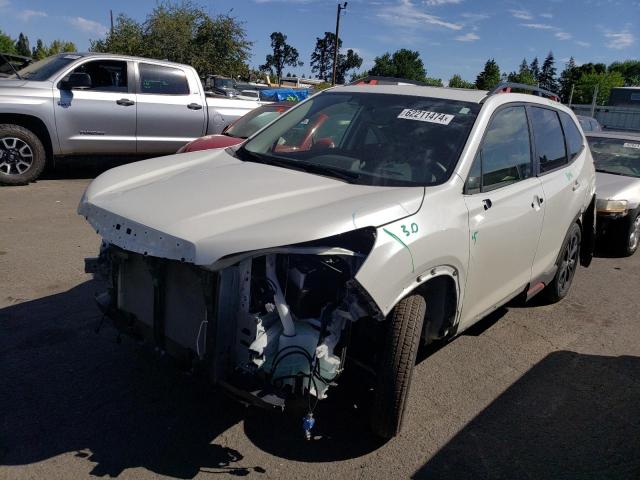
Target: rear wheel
point(22, 155)
point(567, 265)
point(400, 347)
point(631, 237)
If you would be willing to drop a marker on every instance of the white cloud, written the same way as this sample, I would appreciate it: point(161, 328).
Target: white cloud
point(537, 26)
point(522, 14)
point(563, 35)
point(27, 15)
point(468, 37)
point(89, 26)
point(546, 15)
point(405, 13)
point(580, 43)
point(619, 40)
point(435, 3)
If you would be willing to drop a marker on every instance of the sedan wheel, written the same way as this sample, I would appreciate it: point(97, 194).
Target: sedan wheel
point(633, 239)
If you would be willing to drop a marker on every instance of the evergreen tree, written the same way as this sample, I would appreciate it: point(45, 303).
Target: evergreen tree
point(534, 68)
point(39, 51)
point(22, 45)
point(488, 78)
point(547, 76)
point(568, 78)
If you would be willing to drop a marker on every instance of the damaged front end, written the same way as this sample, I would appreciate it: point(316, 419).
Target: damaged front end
point(266, 325)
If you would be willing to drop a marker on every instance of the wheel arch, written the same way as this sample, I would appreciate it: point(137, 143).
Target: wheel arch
point(35, 125)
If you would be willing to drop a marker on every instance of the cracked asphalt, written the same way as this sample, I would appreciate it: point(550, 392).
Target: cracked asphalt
point(541, 391)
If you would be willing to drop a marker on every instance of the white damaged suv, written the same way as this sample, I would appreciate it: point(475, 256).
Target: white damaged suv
point(364, 221)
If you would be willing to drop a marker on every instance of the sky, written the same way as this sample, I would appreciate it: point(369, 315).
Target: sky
point(452, 36)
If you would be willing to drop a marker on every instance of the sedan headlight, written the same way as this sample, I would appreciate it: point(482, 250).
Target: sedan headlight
point(611, 206)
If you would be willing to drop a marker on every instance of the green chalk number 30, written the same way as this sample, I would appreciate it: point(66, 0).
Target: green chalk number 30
point(413, 228)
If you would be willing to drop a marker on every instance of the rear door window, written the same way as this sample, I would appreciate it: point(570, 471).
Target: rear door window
point(548, 138)
point(572, 134)
point(160, 80)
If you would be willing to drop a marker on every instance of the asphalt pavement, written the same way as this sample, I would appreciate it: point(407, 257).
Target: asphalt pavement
point(540, 391)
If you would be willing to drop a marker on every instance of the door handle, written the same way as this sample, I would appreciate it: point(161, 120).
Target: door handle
point(125, 102)
point(487, 204)
point(537, 201)
point(194, 106)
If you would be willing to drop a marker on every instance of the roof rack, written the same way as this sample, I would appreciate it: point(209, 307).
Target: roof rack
point(508, 86)
point(377, 80)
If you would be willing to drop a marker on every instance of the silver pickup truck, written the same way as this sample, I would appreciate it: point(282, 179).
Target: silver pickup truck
point(101, 104)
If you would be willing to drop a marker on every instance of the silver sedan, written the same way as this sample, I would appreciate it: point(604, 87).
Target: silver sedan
point(617, 159)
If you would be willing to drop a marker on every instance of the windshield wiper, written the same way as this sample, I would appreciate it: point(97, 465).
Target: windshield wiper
point(345, 175)
point(12, 67)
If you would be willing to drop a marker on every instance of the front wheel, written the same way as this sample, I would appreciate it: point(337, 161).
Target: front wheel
point(22, 155)
point(400, 347)
point(631, 238)
point(567, 265)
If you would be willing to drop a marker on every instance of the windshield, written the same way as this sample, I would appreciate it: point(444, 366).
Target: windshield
point(223, 83)
point(45, 68)
point(372, 139)
point(254, 121)
point(616, 155)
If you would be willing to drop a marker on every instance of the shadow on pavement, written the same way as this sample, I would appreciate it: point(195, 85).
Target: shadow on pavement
point(84, 167)
point(570, 416)
point(66, 389)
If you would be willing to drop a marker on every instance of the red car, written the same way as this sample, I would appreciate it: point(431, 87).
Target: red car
point(239, 130)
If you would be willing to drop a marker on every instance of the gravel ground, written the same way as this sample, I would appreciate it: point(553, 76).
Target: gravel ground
point(532, 392)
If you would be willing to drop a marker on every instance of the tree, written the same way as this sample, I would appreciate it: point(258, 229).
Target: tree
point(568, 78)
point(402, 64)
point(629, 69)
point(346, 62)
point(534, 68)
point(7, 44)
point(39, 51)
point(585, 86)
point(182, 33)
point(489, 77)
point(547, 77)
point(60, 46)
point(433, 82)
point(22, 45)
point(457, 82)
point(524, 75)
point(283, 55)
point(322, 56)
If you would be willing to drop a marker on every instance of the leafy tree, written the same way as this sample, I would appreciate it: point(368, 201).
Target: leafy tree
point(547, 77)
point(40, 51)
point(322, 56)
point(457, 82)
point(524, 75)
point(402, 64)
point(587, 82)
point(630, 70)
point(60, 46)
point(534, 68)
point(182, 32)
point(433, 82)
point(22, 45)
point(7, 44)
point(283, 55)
point(489, 77)
point(346, 62)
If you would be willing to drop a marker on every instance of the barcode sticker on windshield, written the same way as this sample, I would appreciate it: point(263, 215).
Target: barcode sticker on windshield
point(631, 145)
point(426, 116)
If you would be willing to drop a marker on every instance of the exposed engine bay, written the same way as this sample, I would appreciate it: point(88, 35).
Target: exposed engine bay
point(267, 325)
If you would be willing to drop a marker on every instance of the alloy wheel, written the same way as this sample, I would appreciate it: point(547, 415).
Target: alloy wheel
point(634, 234)
point(569, 262)
point(16, 156)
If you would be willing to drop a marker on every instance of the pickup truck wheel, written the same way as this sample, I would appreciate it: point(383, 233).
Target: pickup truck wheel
point(22, 155)
point(567, 264)
point(400, 347)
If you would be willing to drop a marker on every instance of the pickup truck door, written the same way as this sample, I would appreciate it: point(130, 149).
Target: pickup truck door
point(506, 211)
point(171, 108)
point(100, 118)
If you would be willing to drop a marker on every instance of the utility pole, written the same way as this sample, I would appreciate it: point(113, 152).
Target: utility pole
point(573, 86)
point(335, 53)
point(593, 102)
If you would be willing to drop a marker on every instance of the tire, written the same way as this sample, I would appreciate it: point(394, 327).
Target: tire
point(567, 264)
point(400, 347)
point(631, 235)
point(22, 155)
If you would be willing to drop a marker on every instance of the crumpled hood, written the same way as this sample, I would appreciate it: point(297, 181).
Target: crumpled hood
point(202, 206)
point(618, 187)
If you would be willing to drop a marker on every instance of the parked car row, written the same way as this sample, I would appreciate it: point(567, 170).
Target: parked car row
point(349, 230)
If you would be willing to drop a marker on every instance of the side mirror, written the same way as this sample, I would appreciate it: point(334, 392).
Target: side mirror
point(76, 80)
